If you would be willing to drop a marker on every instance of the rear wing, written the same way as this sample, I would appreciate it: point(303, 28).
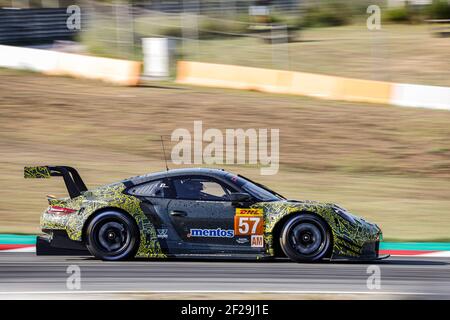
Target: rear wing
point(74, 184)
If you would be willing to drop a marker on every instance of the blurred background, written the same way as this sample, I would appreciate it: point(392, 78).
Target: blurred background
point(386, 163)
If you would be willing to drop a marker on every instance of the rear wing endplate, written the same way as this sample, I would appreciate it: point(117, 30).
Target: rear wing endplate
point(74, 184)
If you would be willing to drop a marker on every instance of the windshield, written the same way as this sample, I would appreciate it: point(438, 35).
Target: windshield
point(256, 189)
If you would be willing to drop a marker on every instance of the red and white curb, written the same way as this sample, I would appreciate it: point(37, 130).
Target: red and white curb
point(416, 253)
point(17, 248)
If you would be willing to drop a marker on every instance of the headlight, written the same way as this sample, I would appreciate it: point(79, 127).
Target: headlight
point(344, 214)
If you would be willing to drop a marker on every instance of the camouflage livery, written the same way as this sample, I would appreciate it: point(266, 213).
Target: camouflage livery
point(36, 172)
point(110, 196)
point(352, 237)
point(348, 239)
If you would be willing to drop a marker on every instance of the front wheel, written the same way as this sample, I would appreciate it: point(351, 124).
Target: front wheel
point(305, 238)
point(112, 236)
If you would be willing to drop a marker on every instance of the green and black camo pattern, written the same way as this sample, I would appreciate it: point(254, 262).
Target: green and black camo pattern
point(348, 238)
point(110, 196)
point(36, 172)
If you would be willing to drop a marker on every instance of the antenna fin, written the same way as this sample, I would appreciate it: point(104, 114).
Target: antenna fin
point(164, 153)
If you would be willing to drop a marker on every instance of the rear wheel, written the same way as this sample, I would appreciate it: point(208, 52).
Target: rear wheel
point(112, 236)
point(305, 238)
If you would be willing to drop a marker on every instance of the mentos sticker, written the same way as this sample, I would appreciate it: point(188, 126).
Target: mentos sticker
point(211, 233)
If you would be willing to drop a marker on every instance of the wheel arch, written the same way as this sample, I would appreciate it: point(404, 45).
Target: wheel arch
point(278, 227)
point(99, 211)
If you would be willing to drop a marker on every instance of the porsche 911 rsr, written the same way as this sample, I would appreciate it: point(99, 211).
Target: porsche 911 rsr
point(196, 212)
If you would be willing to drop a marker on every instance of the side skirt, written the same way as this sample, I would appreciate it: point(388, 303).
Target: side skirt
point(216, 257)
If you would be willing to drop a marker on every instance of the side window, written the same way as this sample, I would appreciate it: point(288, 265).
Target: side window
point(200, 188)
point(158, 188)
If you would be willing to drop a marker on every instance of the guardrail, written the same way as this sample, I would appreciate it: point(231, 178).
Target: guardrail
point(314, 85)
point(122, 72)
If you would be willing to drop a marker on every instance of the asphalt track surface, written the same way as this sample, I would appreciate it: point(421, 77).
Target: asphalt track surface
point(24, 274)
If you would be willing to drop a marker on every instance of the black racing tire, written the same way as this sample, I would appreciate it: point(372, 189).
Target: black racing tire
point(112, 236)
point(305, 238)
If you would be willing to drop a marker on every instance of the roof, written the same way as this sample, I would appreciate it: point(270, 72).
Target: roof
point(177, 172)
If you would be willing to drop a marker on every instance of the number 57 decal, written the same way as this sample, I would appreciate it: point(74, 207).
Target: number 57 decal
point(248, 222)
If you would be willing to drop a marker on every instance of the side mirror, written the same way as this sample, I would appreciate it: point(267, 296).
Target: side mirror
point(240, 197)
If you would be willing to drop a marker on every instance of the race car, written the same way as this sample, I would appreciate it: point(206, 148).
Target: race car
point(196, 212)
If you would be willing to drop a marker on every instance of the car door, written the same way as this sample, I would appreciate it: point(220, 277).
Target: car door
point(155, 196)
point(202, 214)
